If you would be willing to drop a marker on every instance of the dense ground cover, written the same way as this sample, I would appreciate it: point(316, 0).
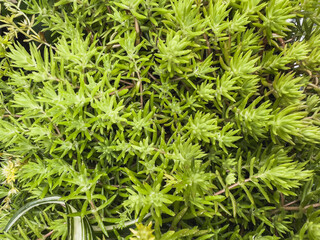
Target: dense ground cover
point(195, 119)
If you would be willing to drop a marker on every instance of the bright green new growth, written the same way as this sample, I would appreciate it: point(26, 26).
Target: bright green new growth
point(193, 119)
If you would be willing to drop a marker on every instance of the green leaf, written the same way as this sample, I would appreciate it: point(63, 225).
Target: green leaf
point(78, 228)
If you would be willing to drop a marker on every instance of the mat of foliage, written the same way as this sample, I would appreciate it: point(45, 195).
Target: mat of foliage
point(194, 119)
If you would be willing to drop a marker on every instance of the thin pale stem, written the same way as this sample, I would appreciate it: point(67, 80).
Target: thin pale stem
point(287, 207)
point(231, 187)
point(290, 203)
point(126, 224)
point(208, 43)
point(298, 208)
point(11, 115)
point(45, 236)
point(127, 87)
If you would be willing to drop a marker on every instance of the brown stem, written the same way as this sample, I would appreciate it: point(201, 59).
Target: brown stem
point(14, 115)
point(282, 199)
point(160, 151)
point(109, 9)
point(55, 126)
point(282, 42)
point(313, 86)
point(125, 82)
point(57, 130)
point(127, 87)
point(208, 43)
point(312, 76)
point(119, 186)
point(296, 208)
point(45, 236)
point(290, 203)
point(291, 208)
point(137, 28)
point(92, 205)
point(150, 75)
point(141, 96)
point(231, 186)
point(32, 38)
point(312, 205)
point(140, 80)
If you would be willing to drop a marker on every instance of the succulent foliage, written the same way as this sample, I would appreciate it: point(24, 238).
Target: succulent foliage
point(158, 119)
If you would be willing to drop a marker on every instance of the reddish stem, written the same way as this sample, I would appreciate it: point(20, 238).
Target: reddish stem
point(45, 236)
point(231, 186)
point(127, 87)
point(14, 115)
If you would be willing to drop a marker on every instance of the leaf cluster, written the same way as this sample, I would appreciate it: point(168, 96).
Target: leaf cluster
point(191, 119)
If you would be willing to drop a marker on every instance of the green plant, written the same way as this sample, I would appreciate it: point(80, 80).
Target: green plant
point(78, 228)
point(190, 119)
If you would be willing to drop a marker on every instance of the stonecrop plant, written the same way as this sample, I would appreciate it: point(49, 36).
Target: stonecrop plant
point(160, 119)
